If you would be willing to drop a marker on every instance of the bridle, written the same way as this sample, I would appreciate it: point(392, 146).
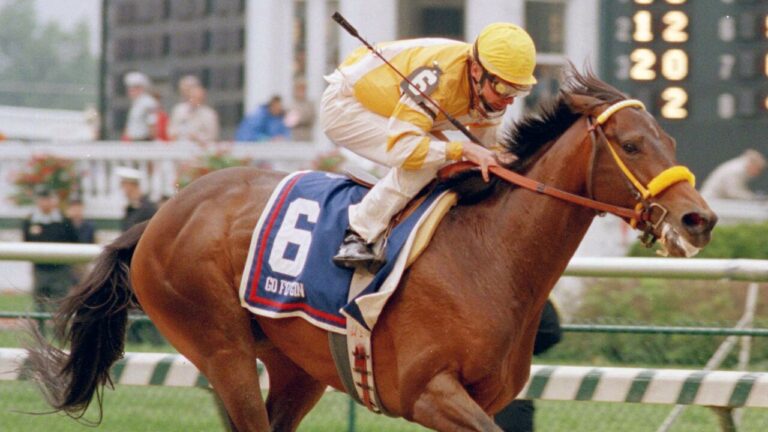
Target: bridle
point(644, 194)
point(641, 217)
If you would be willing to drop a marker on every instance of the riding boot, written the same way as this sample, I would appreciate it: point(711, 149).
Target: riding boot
point(355, 252)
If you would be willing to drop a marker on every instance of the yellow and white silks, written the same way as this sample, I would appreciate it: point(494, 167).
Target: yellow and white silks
point(364, 109)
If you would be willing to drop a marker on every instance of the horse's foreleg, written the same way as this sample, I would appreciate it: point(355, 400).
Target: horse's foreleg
point(445, 405)
point(292, 392)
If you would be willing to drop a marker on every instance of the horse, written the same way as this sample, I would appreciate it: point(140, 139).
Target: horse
point(454, 343)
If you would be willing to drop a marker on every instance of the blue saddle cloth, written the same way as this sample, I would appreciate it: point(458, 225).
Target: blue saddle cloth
point(289, 271)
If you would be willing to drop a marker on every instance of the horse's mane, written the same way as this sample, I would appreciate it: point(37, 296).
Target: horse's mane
point(539, 129)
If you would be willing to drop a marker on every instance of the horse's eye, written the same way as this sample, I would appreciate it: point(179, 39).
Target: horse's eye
point(629, 147)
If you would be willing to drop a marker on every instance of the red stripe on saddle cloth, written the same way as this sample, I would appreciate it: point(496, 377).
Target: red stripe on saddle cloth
point(267, 230)
point(287, 307)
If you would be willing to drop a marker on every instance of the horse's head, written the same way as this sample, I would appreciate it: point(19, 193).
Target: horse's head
point(633, 165)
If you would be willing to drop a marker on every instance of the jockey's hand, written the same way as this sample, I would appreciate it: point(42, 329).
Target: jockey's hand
point(480, 155)
point(506, 158)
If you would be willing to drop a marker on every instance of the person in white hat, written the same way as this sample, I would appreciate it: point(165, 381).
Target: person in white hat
point(142, 116)
point(140, 207)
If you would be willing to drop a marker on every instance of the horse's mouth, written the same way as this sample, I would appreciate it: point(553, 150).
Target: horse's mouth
point(674, 244)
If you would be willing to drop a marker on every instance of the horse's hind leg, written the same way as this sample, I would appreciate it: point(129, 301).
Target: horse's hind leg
point(226, 354)
point(214, 333)
point(235, 379)
point(292, 392)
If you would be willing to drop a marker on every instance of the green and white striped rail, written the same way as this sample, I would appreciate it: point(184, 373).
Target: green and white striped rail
point(659, 386)
point(134, 369)
point(601, 384)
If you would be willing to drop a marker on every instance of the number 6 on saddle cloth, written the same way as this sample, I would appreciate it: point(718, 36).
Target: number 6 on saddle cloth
point(289, 271)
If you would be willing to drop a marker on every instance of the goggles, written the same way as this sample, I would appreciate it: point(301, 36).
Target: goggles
point(504, 89)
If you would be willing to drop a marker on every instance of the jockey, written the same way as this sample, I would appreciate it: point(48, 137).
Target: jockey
point(368, 109)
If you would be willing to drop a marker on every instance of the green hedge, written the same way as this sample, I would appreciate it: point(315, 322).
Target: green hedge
point(669, 302)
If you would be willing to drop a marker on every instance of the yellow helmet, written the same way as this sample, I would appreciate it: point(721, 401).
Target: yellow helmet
point(507, 51)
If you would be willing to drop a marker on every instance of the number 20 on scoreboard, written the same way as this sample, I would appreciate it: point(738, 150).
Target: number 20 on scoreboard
point(710, 56)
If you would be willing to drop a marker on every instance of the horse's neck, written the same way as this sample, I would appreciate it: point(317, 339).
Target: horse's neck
point(539, 234)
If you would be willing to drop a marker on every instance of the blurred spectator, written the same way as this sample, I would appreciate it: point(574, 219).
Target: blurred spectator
point(93, 120)
point(300, 118)
point(266, 123)
point(185, 84)
point(518, 415)
point(47, 224)
point(729, 180)
point(139, 207)
point(193, 120)
point(142, 116)
point(160, 130)
point(86, 231)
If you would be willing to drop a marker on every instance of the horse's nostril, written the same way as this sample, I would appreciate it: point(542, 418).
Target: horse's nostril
point(699, 222)
point(693, 220)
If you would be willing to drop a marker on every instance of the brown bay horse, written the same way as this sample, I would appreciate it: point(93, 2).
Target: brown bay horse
point(453, 345)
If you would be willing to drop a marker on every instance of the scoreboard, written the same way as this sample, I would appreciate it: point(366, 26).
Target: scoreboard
point(700, 67)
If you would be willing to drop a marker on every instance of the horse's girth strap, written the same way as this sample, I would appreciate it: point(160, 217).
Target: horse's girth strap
point(338, 345)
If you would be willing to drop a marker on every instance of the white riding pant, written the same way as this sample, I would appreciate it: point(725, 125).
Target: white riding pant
point(347, 123)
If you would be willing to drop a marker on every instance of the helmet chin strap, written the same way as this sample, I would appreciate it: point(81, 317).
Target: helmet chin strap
point(479, 103)
point(486, 106)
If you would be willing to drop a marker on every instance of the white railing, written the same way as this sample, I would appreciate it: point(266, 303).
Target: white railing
point(667, 268)
point(159, 161)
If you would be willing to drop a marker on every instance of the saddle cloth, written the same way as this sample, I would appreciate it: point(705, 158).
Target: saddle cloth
point(289, 271)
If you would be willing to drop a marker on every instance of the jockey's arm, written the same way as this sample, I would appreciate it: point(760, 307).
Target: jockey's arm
point(410, 138)
point(409, 132)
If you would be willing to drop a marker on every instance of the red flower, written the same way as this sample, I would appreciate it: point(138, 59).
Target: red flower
point(57, 173)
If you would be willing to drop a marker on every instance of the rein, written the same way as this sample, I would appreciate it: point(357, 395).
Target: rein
point(643, 193)
point(541, 188)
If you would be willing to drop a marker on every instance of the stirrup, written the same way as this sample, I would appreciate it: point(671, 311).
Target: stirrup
point(372, 265)
point(355, 253)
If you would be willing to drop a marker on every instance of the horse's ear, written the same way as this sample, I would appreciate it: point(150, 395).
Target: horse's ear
point(579, 103)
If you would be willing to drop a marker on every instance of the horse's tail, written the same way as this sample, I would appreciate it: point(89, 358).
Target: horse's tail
point(92, 319)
